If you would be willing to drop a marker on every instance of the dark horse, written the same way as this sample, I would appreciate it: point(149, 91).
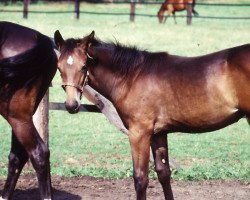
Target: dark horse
point(27, 65)
point(171, 6)
point(158, 93)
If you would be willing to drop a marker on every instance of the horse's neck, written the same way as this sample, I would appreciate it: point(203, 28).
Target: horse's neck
point(106, 82)
point(104, 76)
point(163, 7)
point(100, 80)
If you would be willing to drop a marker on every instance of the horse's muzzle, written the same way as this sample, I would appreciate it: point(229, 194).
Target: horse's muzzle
point(73, 107)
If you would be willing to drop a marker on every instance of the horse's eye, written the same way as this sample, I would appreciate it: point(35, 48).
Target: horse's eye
point(84, 68)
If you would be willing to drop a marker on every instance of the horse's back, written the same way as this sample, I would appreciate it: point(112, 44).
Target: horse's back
point(240, 56)
point(178, 5)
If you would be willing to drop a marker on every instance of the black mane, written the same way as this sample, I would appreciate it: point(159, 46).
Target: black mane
point(124, 59)
point(129, 59)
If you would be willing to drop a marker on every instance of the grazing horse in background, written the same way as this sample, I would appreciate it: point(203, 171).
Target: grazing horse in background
point(171, 6)
point(27, 65)
point(158, 93)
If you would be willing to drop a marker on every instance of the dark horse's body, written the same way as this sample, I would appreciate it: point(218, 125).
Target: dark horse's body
point(172, 6)
point(27, 66)
point(158, 93)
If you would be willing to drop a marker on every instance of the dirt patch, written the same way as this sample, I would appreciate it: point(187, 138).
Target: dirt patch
point(90, 188)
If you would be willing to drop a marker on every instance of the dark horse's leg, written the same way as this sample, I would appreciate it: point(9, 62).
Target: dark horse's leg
point(17, 159)
point(28, 139)
point(160, 152)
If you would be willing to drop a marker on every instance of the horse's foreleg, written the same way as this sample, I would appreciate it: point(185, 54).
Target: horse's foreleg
point(140, 149)
point(189, 14)
point(160, 153)
point(38, 153)
point(174, 17)
point(165, 18)
point(17, 159)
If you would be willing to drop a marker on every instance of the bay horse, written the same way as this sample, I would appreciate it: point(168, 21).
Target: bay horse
point(27, 65)
point(171, 6)
point(158, 93)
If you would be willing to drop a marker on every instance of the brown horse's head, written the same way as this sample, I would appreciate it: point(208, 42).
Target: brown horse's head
point(72, 66)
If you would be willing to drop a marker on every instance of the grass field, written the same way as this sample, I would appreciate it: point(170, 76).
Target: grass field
point(86, 144)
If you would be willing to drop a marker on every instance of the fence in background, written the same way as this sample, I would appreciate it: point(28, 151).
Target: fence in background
point(131, 13)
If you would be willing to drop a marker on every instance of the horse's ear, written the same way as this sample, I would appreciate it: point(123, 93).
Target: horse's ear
point(58, 40)
point(92, 35)
point(87, 40)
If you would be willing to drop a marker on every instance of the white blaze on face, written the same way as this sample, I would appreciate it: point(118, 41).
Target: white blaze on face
point(70, 60)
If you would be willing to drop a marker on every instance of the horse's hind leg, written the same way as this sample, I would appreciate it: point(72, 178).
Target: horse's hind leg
point(37, 151)
point(17, 159)
point(160, 152)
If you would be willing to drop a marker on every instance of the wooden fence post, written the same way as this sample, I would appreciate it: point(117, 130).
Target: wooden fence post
point(25, 8)
point(77, 9)
point(132, 10)
point(41, 118)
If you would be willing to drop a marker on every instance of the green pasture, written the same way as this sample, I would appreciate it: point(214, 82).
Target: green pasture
point(86, 144)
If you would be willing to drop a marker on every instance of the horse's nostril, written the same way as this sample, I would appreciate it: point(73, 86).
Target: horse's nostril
point(72, 107)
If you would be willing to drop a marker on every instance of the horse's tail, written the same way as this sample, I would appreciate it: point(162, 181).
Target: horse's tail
point(193, 10)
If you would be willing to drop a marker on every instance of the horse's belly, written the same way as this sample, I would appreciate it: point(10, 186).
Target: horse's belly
point(210, 121)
